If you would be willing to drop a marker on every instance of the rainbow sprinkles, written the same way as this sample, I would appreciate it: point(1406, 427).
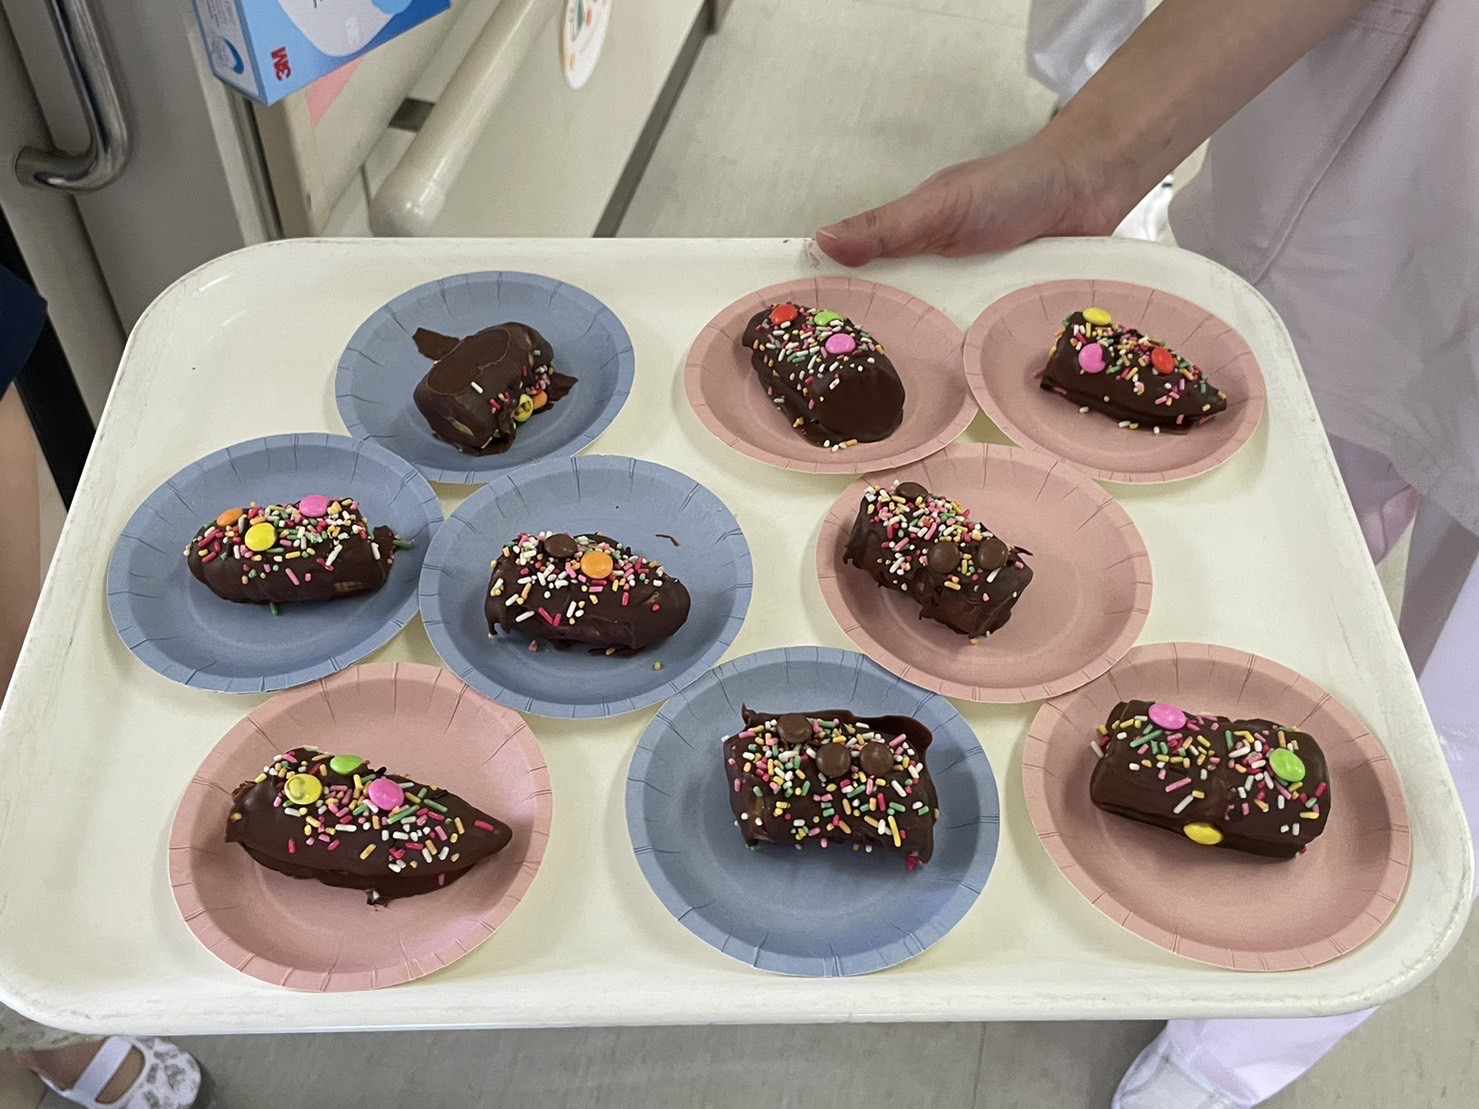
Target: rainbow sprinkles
point(833, 778)
point(831, 378)
point(337, 819)
point(1120, 372)
point(320, 548)
point(1252, 785)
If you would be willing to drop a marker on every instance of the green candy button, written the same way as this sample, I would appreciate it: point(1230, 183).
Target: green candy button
point(1287, 765)
point(345, 764)
point(821, 319)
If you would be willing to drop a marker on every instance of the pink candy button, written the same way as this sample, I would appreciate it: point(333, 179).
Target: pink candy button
point(841, 343)
point(1167, 716)
point(385, 794)
point(313, 507)
point(1091, 358)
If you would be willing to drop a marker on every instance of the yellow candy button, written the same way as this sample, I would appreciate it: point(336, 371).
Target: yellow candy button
point(1098, 317)
point(303, 789)
point(1205, 834)
point(261, 537)
point(524, 409)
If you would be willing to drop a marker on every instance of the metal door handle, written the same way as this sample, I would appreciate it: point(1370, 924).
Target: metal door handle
point(108, 145)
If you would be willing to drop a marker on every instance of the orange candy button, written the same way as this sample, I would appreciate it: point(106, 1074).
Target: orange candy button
point(1163, 360)
point(540, 399)
point(229, 517)
point(783, 313)
point(596, 564)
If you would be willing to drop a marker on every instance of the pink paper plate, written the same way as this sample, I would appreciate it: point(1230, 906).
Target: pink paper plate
point(1084, 608)
point(923, 343)
point(417, 720)
point(1009, 344)
point(1223, 907)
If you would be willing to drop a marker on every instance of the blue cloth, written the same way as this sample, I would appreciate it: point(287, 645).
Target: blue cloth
point(22, 315)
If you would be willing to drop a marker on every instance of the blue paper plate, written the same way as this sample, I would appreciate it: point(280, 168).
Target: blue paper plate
point(381, 366)
point(177, 626)
point(815, 913)
point(637, 503)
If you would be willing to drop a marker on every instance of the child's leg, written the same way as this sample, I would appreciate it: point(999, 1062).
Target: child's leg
point(20, 537)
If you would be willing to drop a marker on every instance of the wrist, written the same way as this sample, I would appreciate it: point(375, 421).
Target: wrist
point(1102, 179)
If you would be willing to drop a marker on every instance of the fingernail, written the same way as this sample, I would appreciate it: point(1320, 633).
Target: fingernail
point(829, 233)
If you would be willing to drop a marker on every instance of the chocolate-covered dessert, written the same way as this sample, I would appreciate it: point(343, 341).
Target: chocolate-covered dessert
point(345, 823)
point(928, 548)
point(319, 549)
point(1249, 785)
point(586, 589)
point(829, 376)
point(1140, 382)
point(480, 389)
point(832, 778)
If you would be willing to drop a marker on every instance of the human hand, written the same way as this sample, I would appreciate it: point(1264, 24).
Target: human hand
point(988, 204)
point(1111, 143)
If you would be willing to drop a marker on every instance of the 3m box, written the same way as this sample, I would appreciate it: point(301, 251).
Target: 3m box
point(270, 48)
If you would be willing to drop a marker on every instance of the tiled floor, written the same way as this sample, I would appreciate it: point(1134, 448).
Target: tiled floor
point(776, 134)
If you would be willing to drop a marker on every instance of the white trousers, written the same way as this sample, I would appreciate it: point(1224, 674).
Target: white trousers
point(1248, 1061)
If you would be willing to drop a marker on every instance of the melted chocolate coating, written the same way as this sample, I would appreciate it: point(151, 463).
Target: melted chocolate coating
point(275, 831)
point(361, 558)
point(1130, 386)
point(823, 777)
point(470, 394)
point(831, 399)
point(1252, 809)
point(964, 577)
point(534, 586)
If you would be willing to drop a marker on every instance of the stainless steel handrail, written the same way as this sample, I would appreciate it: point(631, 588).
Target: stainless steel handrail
point(109, 143)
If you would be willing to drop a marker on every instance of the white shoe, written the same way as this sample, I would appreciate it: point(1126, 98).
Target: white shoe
point(1156, 1081)
point(1150, 218)
point(169, 1079)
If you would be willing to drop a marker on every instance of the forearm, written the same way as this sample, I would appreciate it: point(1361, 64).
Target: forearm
point(1185, 72)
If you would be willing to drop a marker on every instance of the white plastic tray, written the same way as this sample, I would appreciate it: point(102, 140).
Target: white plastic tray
point(97, 749)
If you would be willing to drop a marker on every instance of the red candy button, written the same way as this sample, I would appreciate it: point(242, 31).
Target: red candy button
point(1163, 360)
point(783, 313)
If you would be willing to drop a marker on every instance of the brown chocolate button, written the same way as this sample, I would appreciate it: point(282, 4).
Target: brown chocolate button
point(834, 760)
point(876, 759)
point(561, 546)
point(793, 728)
point(944, 557)
point(911, 490)
point(992, 553)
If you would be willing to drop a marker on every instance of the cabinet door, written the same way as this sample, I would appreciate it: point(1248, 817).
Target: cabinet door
point(43, 240)
point(316, 140)
point(192, 189)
